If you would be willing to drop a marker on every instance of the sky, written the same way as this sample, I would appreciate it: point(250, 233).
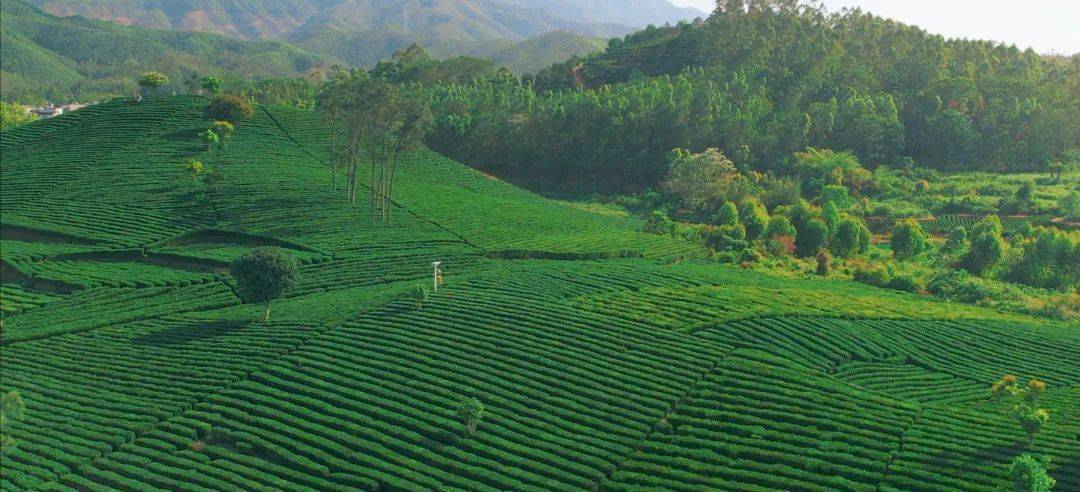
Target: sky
point(1048, 26)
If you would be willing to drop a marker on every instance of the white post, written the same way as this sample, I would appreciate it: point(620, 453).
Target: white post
point(435, 279)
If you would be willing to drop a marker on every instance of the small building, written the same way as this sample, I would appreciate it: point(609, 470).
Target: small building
point(49, 110)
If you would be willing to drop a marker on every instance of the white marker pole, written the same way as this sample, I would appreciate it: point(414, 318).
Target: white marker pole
point(436, 277)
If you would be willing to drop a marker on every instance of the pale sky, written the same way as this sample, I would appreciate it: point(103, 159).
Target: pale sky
point(1048, 26)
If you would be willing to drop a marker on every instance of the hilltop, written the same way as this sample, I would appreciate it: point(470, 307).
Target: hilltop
point(606, 358)
point(47, 57)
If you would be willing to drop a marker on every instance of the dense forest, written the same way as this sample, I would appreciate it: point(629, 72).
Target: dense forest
point(762, 80)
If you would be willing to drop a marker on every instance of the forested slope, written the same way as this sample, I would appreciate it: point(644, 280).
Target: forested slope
point(141, 369)
point(763, 80)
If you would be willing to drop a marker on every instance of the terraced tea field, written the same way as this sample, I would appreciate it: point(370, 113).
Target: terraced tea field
point(609, 361)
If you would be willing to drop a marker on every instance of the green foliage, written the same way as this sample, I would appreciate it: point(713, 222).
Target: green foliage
point(211, 84)
point(755, 218)
point(1028, 474)
point(852, 238)
point(779, 225)
point(229, 108)
point(152, 80)
point(12, 409)
point(263, 275)
point(470, 412)
point(811, 238)
point(419, 295)
point(1048, 258)
point(824, 262)
point(1024, 402)
point(1070, 205)
point(209, 137)
point(837, 195)
point(694, 179)
point(14, 115)
point(727, 215)
point(957, 240)
point(193, 167)
point(909, 240)
point(987, 246)
point(223, 129)
point(659, 223)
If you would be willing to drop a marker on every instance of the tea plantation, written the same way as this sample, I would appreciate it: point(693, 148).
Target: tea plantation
point(606, 358)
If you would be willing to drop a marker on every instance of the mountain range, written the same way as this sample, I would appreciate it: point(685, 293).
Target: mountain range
point(456, 20)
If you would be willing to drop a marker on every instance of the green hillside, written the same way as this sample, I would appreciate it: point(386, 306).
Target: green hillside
point(606, 358)
point(47, 57)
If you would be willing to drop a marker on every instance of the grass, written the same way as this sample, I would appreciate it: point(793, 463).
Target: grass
point(601, 373)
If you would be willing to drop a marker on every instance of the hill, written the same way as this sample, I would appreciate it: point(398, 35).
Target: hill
point(634, 13)
point(364, 32)
point(447, 20)
point(603, 361)
point(47, 57)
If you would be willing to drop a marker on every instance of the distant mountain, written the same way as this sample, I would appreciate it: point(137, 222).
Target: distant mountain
point(533, 54)
point(362, 32)
point(634, 13)
point(443, 19)
point(44, 56)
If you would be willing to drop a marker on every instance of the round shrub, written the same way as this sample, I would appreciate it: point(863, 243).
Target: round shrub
point(229, 108)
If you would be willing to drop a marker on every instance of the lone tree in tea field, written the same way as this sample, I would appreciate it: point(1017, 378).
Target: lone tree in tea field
point(470, 412)
point(153, 81)
point(419, 295)
point(1028, 474)
point(1024, 403)
point(210, 138)
point(264, 274)
point(224, 131)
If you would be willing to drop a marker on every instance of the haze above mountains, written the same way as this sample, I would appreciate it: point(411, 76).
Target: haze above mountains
point(50, 54)
point(443, 20)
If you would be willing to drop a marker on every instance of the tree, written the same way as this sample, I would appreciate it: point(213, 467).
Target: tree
point(383, 121)
point(824, 262)
point(211, 84)
point(851, 238)
point(755, 218)
point(419, 295)
point(470, 412)
point(694, 179)
point(210, 138)
point(153, 80)
point(727, 215)
point(12, 409)
point(987, 246)
point(811, 238)
point(13, 115)
point(223, 129)
point(660, 223)
point(1023, 403)
point(1028, 474)
point(264, 274)
point(1070, 205)
point(957, 240)
point(908, 239)
point(194, 167)
point(229, 108)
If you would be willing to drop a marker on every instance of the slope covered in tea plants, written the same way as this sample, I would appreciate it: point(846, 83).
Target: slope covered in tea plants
point(604, 358)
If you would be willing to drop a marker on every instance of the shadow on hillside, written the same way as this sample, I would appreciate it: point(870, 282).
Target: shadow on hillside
point(1068, 468)
point(194, 331)
point(1002, 453)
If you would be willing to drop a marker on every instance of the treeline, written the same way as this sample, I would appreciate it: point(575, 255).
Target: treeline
point(761, 80)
